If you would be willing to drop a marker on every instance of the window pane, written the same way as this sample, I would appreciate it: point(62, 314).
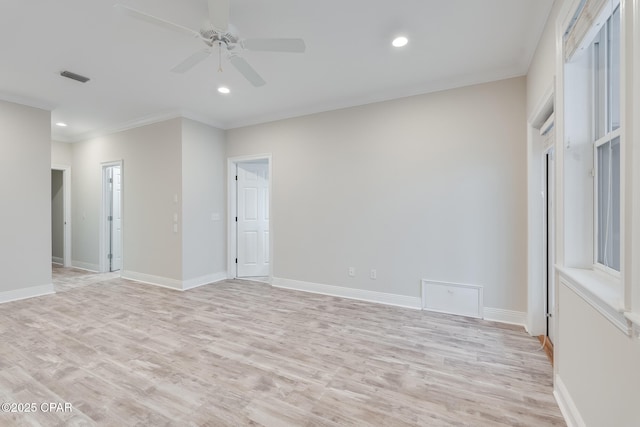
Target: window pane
point(603, 197)
point(600, 83)
point(614, 70)
point(608, 161)
point(615, 204)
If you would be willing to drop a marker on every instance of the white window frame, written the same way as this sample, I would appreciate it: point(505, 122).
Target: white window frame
point(610, 137)
point(607, 137)
point(611, 295)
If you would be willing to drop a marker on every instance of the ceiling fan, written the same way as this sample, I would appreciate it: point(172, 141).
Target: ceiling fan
point(217, 33)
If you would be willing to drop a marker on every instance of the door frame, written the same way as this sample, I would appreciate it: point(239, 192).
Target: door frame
point(66, 211)
point(104, 223)
point(232, 210)
point(549, 230)
point(536, 284)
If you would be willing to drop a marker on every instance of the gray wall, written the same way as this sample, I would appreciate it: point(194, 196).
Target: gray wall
point(431, 186)
point(203, 201)
point(25, 185)
point(57, 216)
point(176, 157)
point(61, 153)
point(151, 178)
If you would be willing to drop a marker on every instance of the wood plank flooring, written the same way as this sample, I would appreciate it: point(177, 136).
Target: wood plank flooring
point(241, 353)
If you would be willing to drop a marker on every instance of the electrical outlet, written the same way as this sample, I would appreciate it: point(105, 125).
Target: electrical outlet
point(374, 274)
point(352, 272)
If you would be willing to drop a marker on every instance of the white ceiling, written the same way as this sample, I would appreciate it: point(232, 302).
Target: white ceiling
point(349, 59)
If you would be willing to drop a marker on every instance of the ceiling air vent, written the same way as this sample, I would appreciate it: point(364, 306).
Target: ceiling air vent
point(74, 76)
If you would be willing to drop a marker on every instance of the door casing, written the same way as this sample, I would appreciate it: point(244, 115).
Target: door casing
point(104, 222)
point(66, 214)
point(232, 198)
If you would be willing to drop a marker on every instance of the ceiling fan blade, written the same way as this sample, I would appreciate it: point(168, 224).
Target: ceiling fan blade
point(247, 71)
point(275, 45)
point(155, 20)
point(219, 14)
point(192, 61)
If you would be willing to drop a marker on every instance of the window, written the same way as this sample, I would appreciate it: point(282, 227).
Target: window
point(606, 131)
point(593, 124)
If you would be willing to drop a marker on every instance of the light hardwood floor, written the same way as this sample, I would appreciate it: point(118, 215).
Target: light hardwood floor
point(241, 353)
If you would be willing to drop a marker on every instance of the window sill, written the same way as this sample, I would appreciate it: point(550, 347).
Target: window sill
point(635, 319)
point(601, 291)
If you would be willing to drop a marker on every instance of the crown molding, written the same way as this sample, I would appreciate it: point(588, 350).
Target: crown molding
point(27, 101)
point(139, 122)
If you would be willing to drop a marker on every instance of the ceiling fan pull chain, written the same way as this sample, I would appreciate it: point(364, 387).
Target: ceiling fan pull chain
point(219, 57)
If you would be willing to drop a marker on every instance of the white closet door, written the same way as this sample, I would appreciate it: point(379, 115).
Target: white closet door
point(253, 219)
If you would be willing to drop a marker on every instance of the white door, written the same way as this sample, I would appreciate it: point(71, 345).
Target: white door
point(253, 219)
point(116, 224)
point(113, 217)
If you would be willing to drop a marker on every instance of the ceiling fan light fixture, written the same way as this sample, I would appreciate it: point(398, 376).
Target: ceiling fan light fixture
point(223, 89)
point(400, 41)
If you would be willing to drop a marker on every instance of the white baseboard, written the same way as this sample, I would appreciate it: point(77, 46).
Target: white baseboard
point(149, 279)
point(24, 293)
point(177, 285)
point(203, 280)
point(94, 268)
point(567, 406)
point(505, 316)
point(493, 314)
point(350, 293)
point(57, 260)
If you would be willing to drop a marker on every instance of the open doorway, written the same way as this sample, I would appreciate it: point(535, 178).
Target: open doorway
point(549, 233)
point(111, 257)
point(60, 215)
point(250, 239)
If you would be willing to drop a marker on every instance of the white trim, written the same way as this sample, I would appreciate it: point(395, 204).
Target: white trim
point(231, 209)
point(539, 119)
point(57, 260)
point(142, 121)
point(567, 406)
point(149, 279)
point(447, 83)
point(27, 101)
point(549, 124)
point(634, 318)
point(631, 183)
point(66, 211)
point(506, 316)
point(349, 293)
point(203, 280)
point(87, 266)
point(202, 119)
point(415, 303)
point(104, 223)
point(599, 291)
point(24, 293)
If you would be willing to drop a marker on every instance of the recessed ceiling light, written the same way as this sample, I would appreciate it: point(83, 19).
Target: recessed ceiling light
point(223, 89)
point(62, 125)
point(400, 41)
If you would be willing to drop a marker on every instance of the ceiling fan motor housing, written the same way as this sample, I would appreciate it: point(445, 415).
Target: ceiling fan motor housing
point(213, 37)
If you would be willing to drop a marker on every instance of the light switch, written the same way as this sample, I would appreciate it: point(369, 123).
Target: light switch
point(175, 217)
point(175, 228)
point(215, 216)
